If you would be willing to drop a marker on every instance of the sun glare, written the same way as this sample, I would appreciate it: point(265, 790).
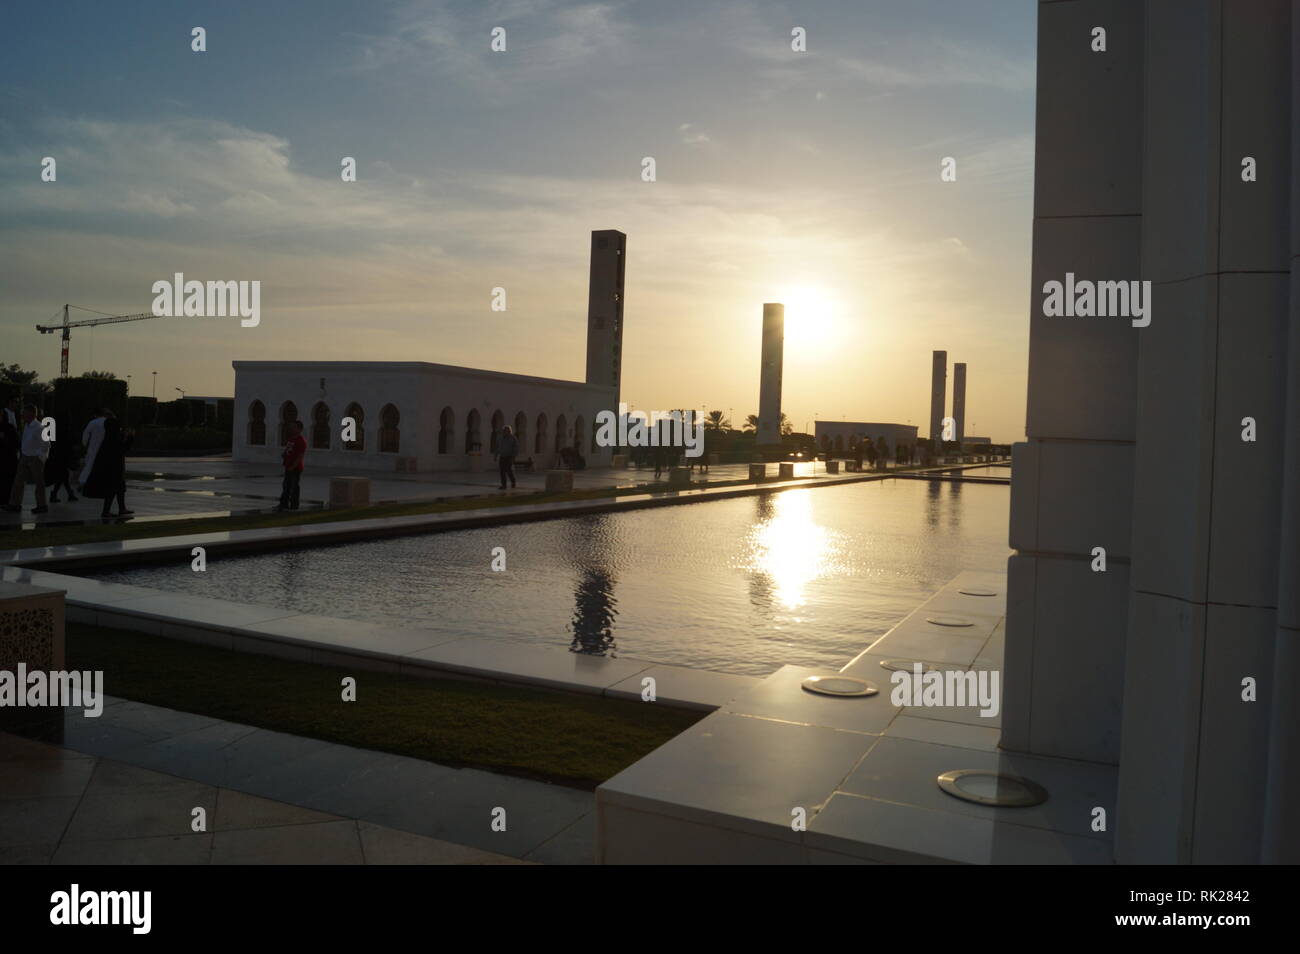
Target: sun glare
point(812, 317)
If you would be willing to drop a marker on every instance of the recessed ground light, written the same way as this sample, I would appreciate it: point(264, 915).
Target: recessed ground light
point(949, 621)
point(975, 591)
point(992, 788)
point(839, 686)
point(906, 665)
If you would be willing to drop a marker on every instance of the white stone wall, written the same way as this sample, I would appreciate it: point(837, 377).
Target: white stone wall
point(855, 430)
point(1135, 434)
point(420, 392)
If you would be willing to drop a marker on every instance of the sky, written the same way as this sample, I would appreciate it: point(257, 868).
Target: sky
point(811, 178)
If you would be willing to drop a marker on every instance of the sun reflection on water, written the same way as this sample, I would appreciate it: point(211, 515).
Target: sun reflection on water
point(790, 549)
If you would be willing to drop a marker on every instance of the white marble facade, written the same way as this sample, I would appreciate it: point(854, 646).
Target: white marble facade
point(412, 416)
point(1135, 434)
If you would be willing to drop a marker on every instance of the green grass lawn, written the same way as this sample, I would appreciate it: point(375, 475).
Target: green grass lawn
point(569, 738)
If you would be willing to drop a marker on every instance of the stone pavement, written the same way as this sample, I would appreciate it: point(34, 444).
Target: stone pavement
point(185, 488)
point(122, 788)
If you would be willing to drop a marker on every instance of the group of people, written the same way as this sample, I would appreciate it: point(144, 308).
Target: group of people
point(29, 456)
point(878, 452)
point(666, 458)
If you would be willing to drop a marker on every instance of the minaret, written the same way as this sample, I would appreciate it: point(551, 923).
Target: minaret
point(605, 310)
point(769, 384)
point(959, 400)
point(938, 383)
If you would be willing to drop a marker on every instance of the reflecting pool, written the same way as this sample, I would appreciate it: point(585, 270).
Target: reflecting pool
point(804, 576)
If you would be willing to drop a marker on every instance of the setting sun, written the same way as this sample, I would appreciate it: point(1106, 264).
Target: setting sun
point(812, 318)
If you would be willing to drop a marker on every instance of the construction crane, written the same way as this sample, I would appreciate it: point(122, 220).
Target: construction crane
point(67, 327)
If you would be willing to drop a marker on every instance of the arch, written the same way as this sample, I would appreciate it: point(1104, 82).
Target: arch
point(320, 426)
point(390, 435)
point(839, 442)
point(577, 434)
point(355, 412)
point(521, 427)
point(539, 442)
point(473, 423)
point(561, 426)
point(257, 424)
point(288, 414)
point(825, 442)
point(446, 430)
point(498, 422)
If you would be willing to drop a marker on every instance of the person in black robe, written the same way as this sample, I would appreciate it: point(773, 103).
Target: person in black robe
point(107, 478)
point(10, 442)
point(60, 460)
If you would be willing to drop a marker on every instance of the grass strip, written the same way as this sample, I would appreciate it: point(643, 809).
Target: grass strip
point(566, 738)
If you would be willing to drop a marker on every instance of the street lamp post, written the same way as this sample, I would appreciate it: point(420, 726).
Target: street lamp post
point(155, 385)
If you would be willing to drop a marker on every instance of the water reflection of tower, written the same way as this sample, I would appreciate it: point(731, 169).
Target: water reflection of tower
point(933, 489)
point(594, 605)
point(760, 584)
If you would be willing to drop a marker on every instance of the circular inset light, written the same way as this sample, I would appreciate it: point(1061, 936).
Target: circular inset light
point(992, 788)
point(839, 686)
point(906, 665)
point(975, 591)
point(949, 621)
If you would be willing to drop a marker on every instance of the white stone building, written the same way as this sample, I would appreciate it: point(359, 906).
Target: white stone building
point(413, 416)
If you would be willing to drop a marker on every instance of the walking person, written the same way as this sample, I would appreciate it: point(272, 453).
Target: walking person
point(11, 414)
point(870, 449)
point(60, 461)
point(10, 443)
point(295, 452)
point(91, 437)
point(107, 477)
point(507, 450)
point(882, 452)
point(659, 460)
point(33, 450)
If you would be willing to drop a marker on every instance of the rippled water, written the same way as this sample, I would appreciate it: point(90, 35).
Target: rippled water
point(805, 576)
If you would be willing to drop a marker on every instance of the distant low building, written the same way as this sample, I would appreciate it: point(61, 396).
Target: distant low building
point(841, 437)
point(976, 440)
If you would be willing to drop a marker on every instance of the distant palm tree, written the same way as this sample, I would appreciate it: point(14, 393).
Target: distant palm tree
point(751, 423)
point(100, 375)
point(786, 427)
point(717, 421)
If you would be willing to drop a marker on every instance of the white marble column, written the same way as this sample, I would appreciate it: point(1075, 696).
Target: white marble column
point(1280, 838)
point(1072, 479)
point(1206, 503)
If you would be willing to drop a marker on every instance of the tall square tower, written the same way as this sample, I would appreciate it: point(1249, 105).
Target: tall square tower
point(938, 383)
point(605, 310)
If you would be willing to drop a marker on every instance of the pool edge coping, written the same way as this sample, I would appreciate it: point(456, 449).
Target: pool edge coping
point(609, 677)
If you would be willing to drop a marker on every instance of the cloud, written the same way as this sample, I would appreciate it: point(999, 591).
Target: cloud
point(692, 135)
point(902, 60)
point(545, 39)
